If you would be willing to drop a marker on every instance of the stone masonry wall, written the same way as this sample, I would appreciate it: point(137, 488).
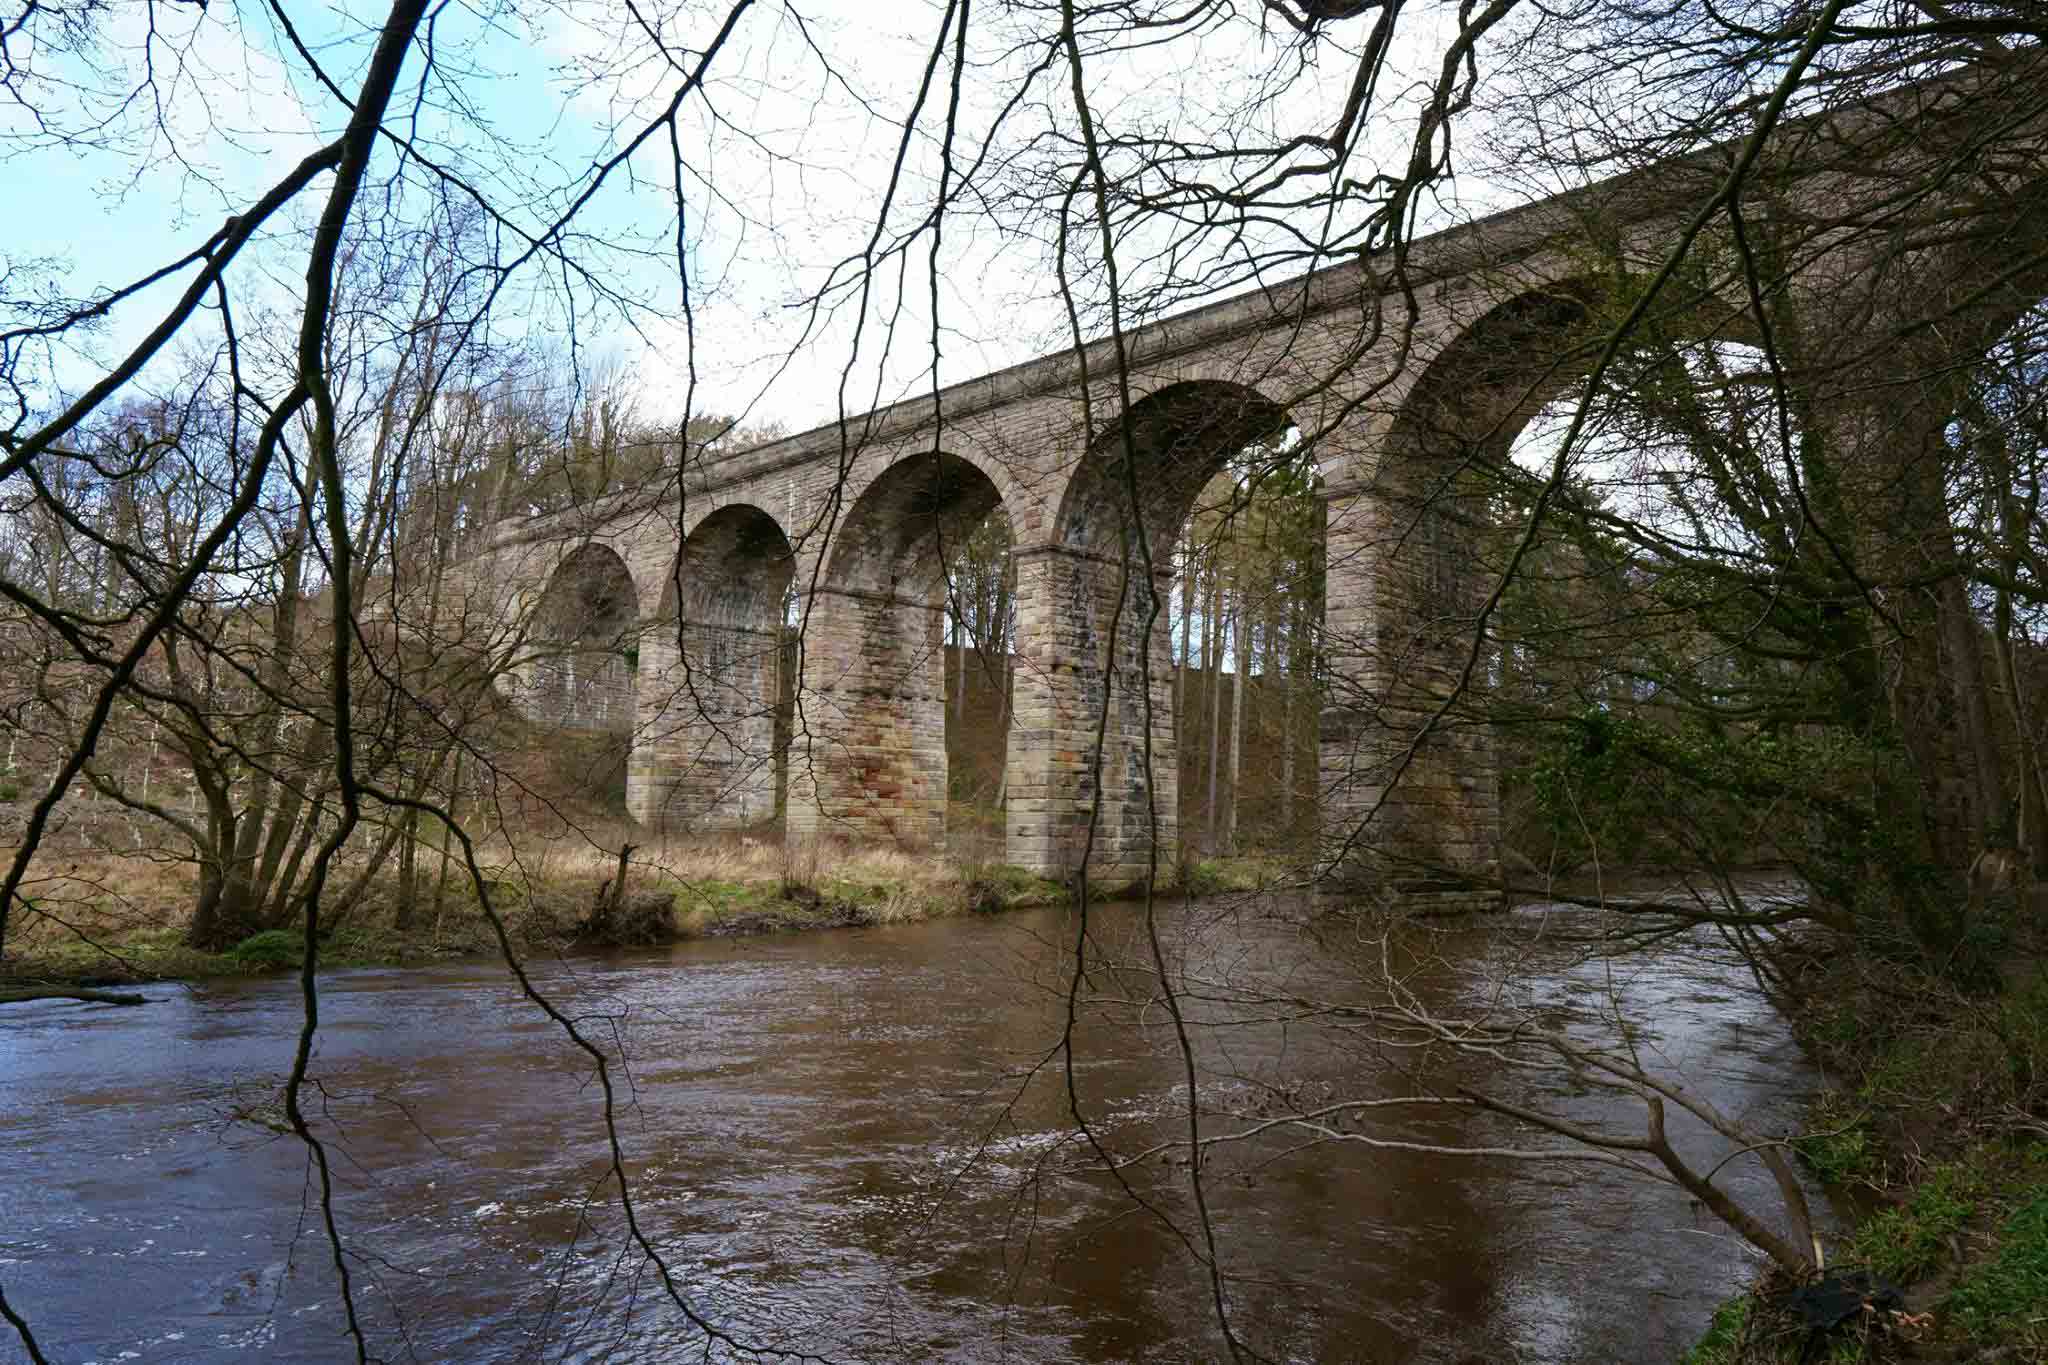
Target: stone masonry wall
point(704, 738)
point(868, 756)
point(1065, 604)
point(868, 750)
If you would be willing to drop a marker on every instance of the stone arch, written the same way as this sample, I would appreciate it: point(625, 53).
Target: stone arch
point(869, 748)
point(1502, 365)
point(1405, 577)
point(1008, 470)
point(1453, 430)
point(899, 528)
point(1084, 647)
point(712, 678)
point(734, 567)
point(1179, 436)
point(583, 637)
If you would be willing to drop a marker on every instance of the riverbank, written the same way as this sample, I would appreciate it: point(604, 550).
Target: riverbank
point(1932, 1136)
point(122, 920)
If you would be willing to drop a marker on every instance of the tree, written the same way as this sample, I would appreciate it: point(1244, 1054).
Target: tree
point(1811, 588)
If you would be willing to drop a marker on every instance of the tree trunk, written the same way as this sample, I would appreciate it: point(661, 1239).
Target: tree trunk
point(960, 672)
point(291, 806)
point(403, 913)
point(1186, 733)
point(15, 995)
point(447, 836)
point(284, 635)
point(288, 875)
point(1187, 626)
point(1212, 656)
point(2030, 837)
point(1240, 672)
point(228, 910)
point(1287, 704)
point(1966, 672)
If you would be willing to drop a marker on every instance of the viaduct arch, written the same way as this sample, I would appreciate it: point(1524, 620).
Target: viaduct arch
point(581, 670)
point(1399, 387)
point(704, 752)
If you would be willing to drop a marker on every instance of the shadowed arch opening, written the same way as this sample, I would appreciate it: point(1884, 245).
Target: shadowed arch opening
point(1446, 463)
point(584, 639)
point(710, 754)
point(868, 752)
point(735, 567)
point(1472, 447)
point(1180, 437)
point(901, 534)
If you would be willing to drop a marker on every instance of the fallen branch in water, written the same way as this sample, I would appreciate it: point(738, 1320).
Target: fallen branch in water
point(16, 995)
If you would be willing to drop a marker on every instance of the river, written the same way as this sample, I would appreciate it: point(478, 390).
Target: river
point(855, 1144)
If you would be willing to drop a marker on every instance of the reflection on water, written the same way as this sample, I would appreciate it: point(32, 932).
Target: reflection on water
point(856, 1144)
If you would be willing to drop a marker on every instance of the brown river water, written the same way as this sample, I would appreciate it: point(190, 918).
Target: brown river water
point(851, 1144)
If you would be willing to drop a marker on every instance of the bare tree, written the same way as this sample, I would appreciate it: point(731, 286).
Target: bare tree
point(1772, 584)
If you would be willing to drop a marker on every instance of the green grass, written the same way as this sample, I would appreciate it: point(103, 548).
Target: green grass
point(536, 913)
point(989, 887)
point(2021, 1027)
point(1999, 1301)
point(1936, 1089)
point(1219, 876)
point(1906, 1243)
point(1724, 1335)
point(2004, 1301)
point(1989, 1055)
point(716, 896)
point(1840, 1148)
point(152, 952)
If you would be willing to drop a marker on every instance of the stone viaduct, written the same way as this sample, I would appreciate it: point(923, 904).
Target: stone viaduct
point(659, 612)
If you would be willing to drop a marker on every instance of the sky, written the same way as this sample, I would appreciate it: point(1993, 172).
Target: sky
point(786, 166)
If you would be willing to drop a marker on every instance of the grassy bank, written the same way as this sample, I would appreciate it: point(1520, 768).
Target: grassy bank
point(107, 918)
point(1933, 1131)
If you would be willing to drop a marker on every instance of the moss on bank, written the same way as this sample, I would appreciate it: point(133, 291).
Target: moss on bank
point(1935, 1128)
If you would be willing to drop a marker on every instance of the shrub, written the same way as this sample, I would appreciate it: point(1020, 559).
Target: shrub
point(987, 888)
point(645, 919)
point(984, 895)
point(269, 950)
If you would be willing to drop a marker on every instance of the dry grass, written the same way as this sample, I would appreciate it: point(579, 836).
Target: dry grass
point(591, 855)
point(96, 895)
point(95, 912)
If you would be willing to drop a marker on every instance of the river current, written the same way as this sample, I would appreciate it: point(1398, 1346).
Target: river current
point(858, 1145)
